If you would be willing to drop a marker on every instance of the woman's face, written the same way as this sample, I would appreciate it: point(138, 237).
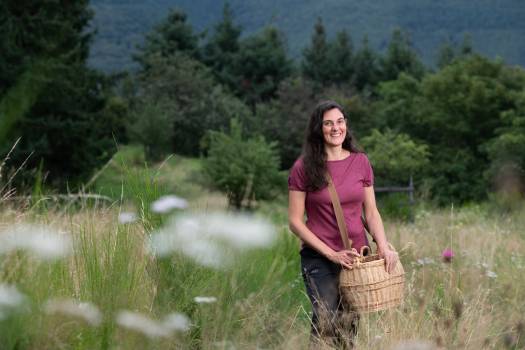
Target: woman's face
point(334, 127)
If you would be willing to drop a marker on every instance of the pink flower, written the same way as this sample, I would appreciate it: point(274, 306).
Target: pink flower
point(447, 255)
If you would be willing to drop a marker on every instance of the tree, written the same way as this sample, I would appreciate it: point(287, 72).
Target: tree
point(506, 153)
point(340, 59)
point(395, 156)
point(191, 97)
point(397, 105)
point(446, 55)
point(455, 112)
point(219, 52)
point(65, 124)
point(153, 128)
point(400, 57)
point(466, 48)
point(450, 52)
point(315, 64)
point(20, 98)
point(171, 36)
point(33, 31)
point(260, 66)
point(366, 69)
point(247, 175)
point(284, 119)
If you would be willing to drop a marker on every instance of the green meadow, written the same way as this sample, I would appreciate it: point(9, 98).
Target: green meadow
point(257, 300)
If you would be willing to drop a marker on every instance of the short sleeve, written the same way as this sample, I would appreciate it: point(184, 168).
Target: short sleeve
point(368, 173)
point(297, 177)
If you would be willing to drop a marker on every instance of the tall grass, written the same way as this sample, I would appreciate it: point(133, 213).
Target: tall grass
point(474, 302)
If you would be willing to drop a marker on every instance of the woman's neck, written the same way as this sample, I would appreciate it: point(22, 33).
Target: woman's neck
point(336, 153)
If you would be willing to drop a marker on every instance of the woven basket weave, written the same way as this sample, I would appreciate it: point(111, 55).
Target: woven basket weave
point(368, 287)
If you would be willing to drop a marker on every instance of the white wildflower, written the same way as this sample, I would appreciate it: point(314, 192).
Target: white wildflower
point(87, 311)
point(491, 274)
point(39, 240)
point(10, 296)
point(425, 261)
point(483, 265)
point(414, 345)
point(153, 328)
point(206, 253)
point(142, 324)
point(177, 322)
point(205, 300)
point(166, 203)
point(207, 237)
point(127, 217)
point(240, 231)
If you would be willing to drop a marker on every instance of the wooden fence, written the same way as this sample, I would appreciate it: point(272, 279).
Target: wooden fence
point(409, 189)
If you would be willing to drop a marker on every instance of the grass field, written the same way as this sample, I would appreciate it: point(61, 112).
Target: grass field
point(107, 289)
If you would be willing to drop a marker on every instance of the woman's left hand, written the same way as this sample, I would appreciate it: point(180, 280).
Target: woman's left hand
point(391, 258)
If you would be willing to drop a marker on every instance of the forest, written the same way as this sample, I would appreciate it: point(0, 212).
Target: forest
point(495, 27)
point(457, 129)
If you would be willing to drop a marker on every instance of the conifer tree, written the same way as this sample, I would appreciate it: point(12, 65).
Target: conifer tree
point(446, 55)
point(64, 125)
point(315, 64)
point(466, 47)
point(173, 35)
point(340, 59)
point(260, 66)
point(366, 69)
point(219, 53)
point(400, 57)
point(450, 52)
point(38, 30)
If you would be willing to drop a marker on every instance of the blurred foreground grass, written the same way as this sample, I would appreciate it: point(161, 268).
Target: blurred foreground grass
point(474, 302)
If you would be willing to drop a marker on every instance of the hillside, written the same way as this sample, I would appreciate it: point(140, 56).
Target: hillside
point(497, 27)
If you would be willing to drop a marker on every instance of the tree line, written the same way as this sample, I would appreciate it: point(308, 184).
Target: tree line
point(459, 128)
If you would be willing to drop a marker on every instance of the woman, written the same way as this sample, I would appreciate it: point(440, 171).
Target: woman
point(330, 147)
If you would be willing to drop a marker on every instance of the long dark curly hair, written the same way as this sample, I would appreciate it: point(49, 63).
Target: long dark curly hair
point(314, 155)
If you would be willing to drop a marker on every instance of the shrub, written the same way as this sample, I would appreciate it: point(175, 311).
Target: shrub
point(394, 156)
point(245, 169)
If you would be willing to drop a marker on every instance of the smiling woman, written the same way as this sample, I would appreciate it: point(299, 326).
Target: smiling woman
point(330, 149)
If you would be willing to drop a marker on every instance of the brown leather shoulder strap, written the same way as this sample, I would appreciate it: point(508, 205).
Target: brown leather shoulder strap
point(343, 230)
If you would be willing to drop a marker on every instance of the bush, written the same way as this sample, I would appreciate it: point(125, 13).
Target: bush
point(245, 169)
point(394, 156)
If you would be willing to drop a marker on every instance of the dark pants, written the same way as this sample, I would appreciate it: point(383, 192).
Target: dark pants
point(333, 322)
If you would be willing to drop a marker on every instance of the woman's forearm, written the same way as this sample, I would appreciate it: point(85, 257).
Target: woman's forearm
point(377, 230)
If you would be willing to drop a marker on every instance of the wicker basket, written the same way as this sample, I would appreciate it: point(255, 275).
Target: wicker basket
point(368, 287)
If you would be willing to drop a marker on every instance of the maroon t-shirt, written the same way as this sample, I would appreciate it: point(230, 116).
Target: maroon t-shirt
point(350, 176)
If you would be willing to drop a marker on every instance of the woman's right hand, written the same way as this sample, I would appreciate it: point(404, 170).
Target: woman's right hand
point(344, 258)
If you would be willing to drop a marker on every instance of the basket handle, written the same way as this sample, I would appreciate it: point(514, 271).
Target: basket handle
point(365, 248)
